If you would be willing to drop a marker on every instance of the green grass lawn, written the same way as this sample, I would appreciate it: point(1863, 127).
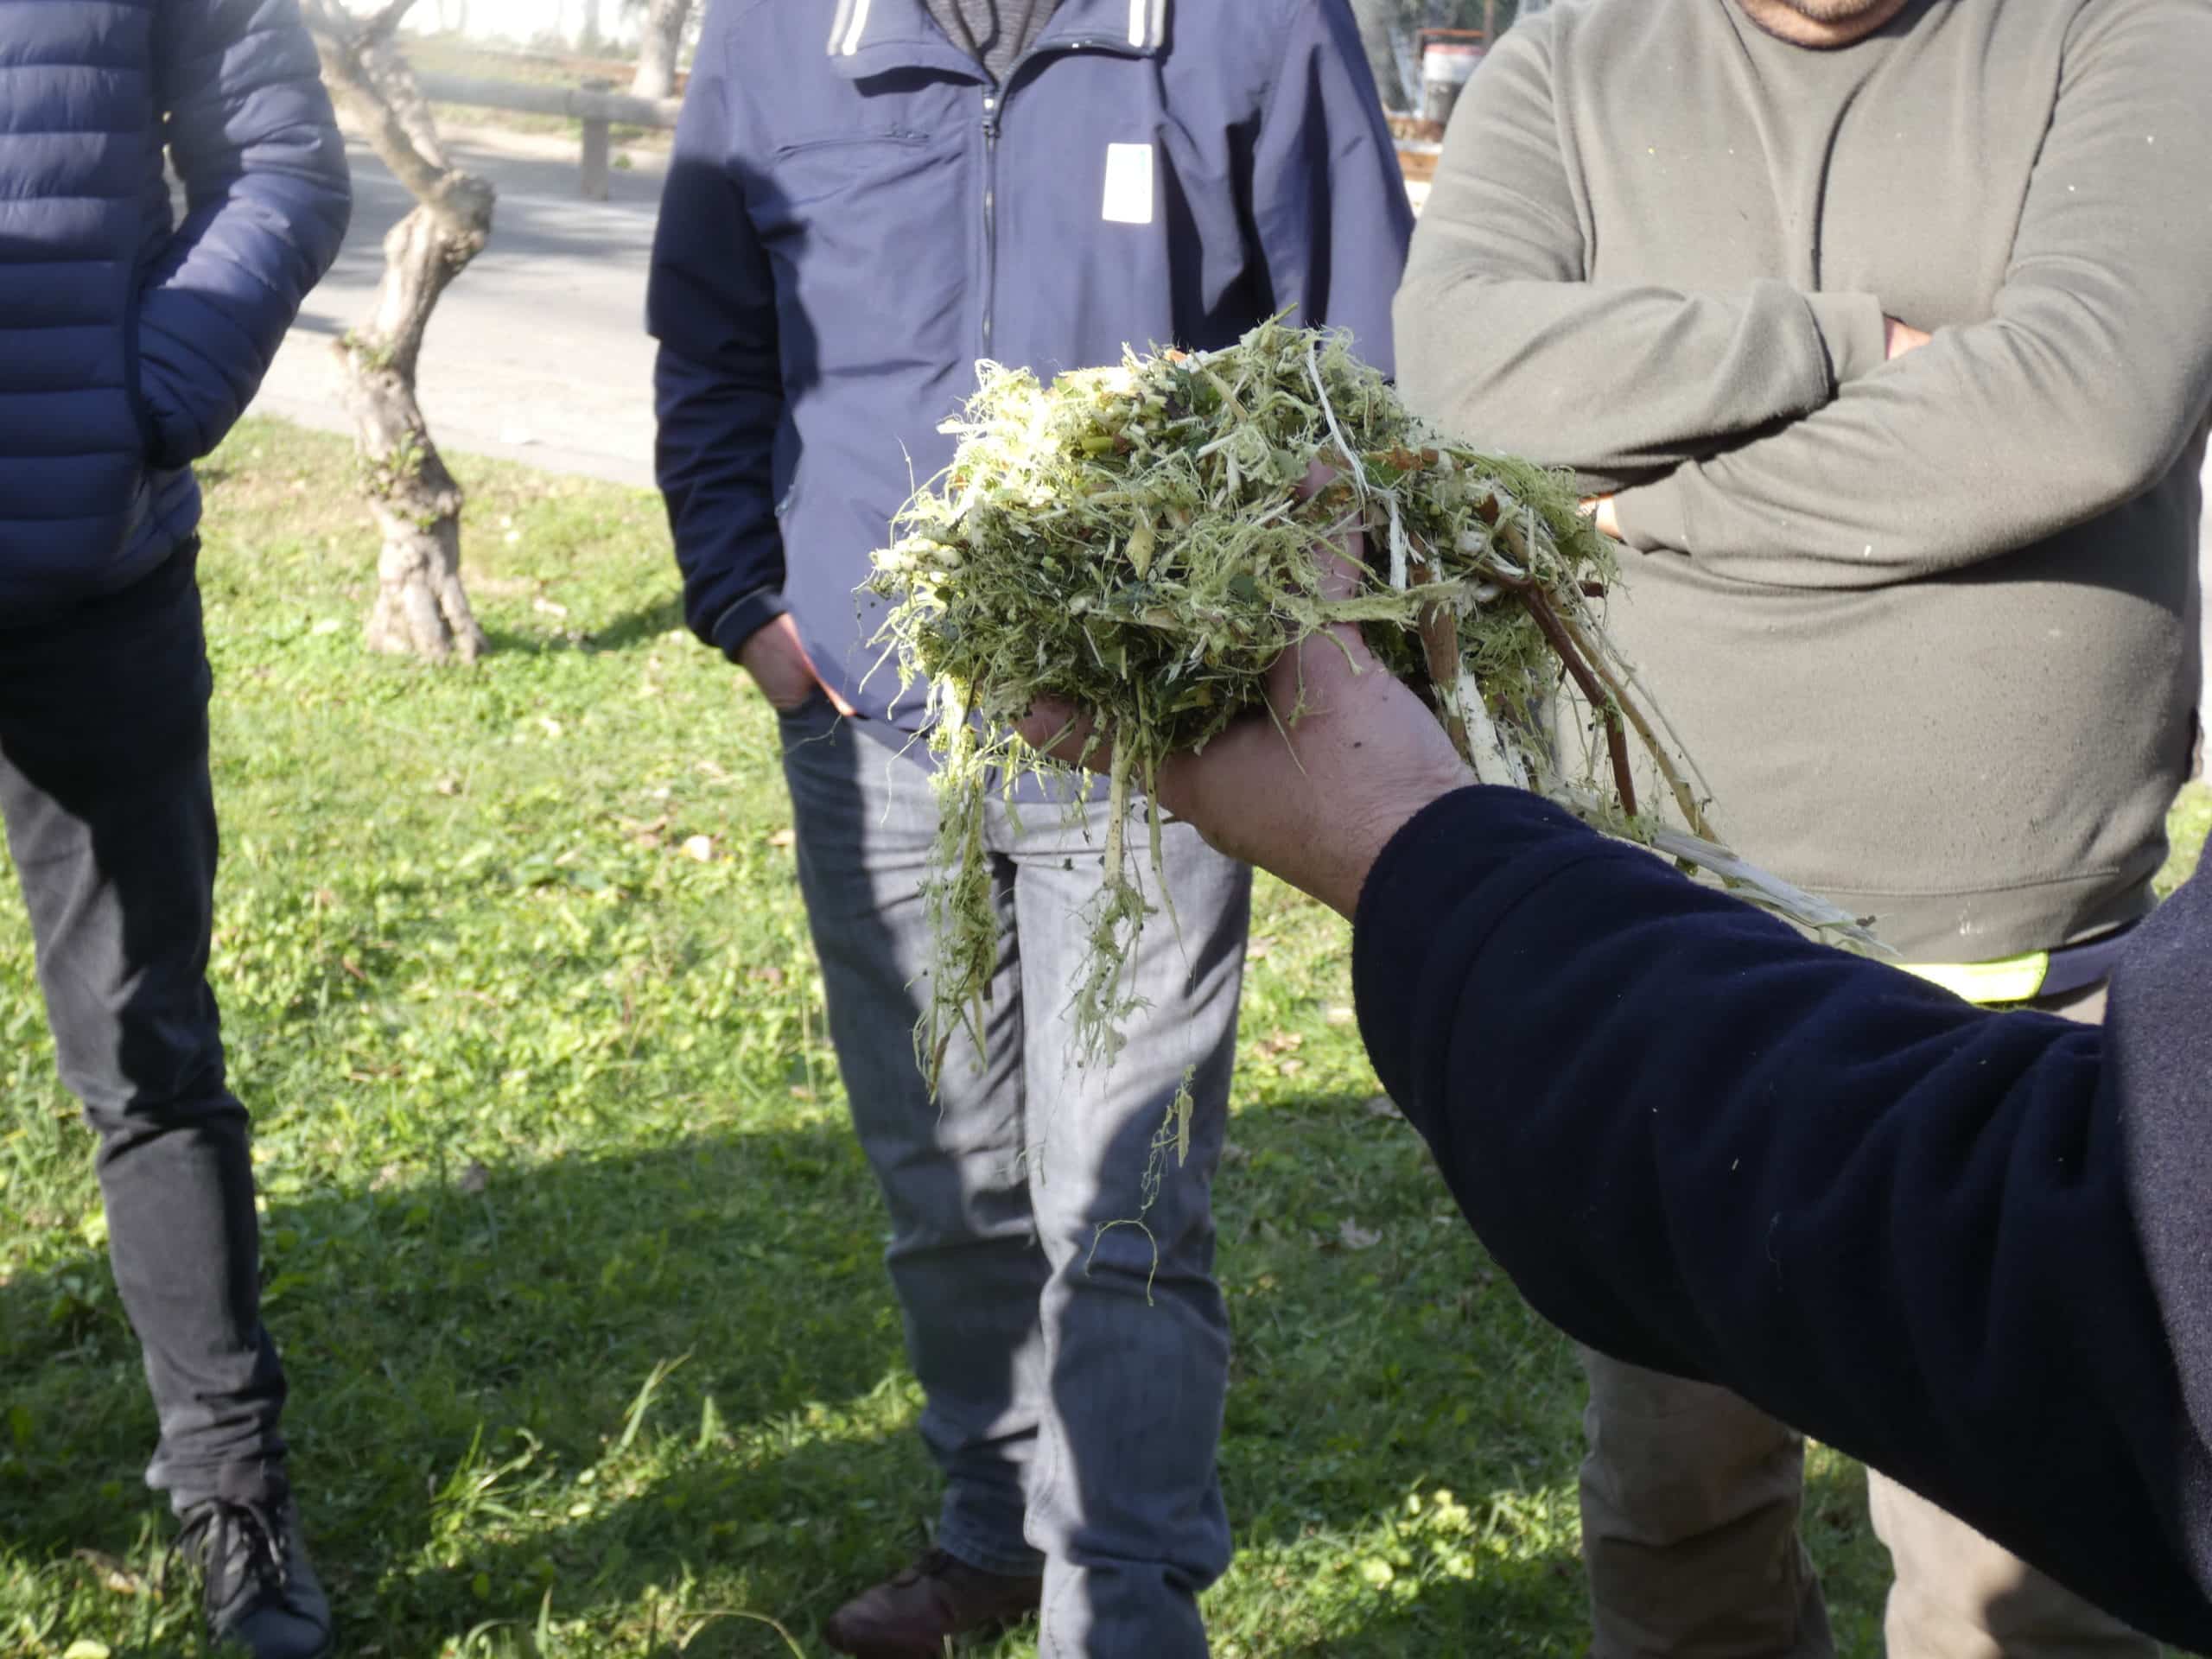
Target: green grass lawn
point(575, 1264)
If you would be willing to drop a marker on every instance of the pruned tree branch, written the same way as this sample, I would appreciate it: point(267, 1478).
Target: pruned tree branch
point(346, 67)
point(381, 24)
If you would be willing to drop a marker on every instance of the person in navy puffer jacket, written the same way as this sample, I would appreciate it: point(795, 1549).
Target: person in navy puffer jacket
point(864, 198)
point(130, 339)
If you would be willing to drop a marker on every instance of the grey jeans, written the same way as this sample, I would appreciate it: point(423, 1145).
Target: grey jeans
point(112, 826)
point(1074, 1376)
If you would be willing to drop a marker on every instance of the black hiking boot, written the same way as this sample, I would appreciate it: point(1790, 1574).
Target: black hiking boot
point(261, 1595)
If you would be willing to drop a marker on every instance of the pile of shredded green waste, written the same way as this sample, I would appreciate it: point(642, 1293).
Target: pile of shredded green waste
point(1136, 541)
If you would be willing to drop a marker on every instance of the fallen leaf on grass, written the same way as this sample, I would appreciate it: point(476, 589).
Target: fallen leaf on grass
point(700, 849)
point(113, 1574)
point(1353, 1237)
point(786, 837)
point(1382, 1106)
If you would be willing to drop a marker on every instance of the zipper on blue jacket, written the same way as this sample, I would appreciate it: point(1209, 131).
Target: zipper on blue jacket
point(990, 209)
point(994, 102)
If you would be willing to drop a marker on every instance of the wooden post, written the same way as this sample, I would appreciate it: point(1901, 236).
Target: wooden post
point(597, 145)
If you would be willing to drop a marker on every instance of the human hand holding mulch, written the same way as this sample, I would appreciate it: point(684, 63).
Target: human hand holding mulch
point(1137, 542)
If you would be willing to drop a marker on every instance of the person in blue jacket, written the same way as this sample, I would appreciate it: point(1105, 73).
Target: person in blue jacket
point(129, 341)
point(1969, 1248)
point(865, 199)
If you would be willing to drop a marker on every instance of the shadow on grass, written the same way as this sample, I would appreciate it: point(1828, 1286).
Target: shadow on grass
point(470, 1354)
point(438, 1331)
point(640, 627)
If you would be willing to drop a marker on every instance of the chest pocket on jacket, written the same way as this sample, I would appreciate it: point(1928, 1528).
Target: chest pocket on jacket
point(814, 169)
point(871, 246)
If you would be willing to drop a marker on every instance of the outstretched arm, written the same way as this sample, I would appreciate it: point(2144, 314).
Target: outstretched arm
point(1929, 1234)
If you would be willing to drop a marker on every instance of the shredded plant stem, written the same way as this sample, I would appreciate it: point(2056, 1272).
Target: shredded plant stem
point(1136, 541)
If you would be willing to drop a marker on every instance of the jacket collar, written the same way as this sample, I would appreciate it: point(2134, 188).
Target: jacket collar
point(872, 37)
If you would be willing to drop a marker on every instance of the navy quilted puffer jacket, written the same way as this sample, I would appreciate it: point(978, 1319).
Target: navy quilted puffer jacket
point(130, 342)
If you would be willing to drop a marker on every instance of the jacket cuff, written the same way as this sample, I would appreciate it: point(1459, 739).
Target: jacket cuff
point(737, 624)
point(1653, 517)
point(1855, 332)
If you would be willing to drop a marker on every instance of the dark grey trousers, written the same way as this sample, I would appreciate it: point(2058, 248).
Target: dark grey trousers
point(1075, 1379)
point(111, 823)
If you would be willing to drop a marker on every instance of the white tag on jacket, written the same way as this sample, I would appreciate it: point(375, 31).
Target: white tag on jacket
point(1129, 185)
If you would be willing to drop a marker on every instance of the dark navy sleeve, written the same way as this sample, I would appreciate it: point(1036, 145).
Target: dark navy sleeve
point(718, 389)
point(1922, 1233)
point(253, 138)
point(1328, 198)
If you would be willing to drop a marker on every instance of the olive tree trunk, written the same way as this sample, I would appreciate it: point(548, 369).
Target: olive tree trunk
point(657, 47)
point(421, 609)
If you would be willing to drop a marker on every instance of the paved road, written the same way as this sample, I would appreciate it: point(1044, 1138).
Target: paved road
point(538, 351)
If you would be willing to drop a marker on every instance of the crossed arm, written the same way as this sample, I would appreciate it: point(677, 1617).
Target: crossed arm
point(1736, 424)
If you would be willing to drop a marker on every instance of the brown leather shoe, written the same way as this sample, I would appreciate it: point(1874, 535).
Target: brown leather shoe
point(912, 1615)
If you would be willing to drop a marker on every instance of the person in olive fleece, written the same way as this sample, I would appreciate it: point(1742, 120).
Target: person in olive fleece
point(1881, 329)
point(1970, 1247)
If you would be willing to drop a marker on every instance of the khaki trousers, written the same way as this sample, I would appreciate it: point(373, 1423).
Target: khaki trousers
point(1690, 1502)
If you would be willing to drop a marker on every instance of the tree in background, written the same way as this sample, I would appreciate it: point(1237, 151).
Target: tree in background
point(420, 608)
point(658, 46)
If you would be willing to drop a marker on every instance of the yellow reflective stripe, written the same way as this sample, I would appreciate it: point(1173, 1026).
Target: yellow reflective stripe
point(2014, 979)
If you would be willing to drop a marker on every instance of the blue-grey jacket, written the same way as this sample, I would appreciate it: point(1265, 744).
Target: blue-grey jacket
point(855, 215)
point(130, 341)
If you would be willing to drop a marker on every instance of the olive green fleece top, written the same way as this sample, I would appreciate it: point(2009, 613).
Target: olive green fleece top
point(1921, 622)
